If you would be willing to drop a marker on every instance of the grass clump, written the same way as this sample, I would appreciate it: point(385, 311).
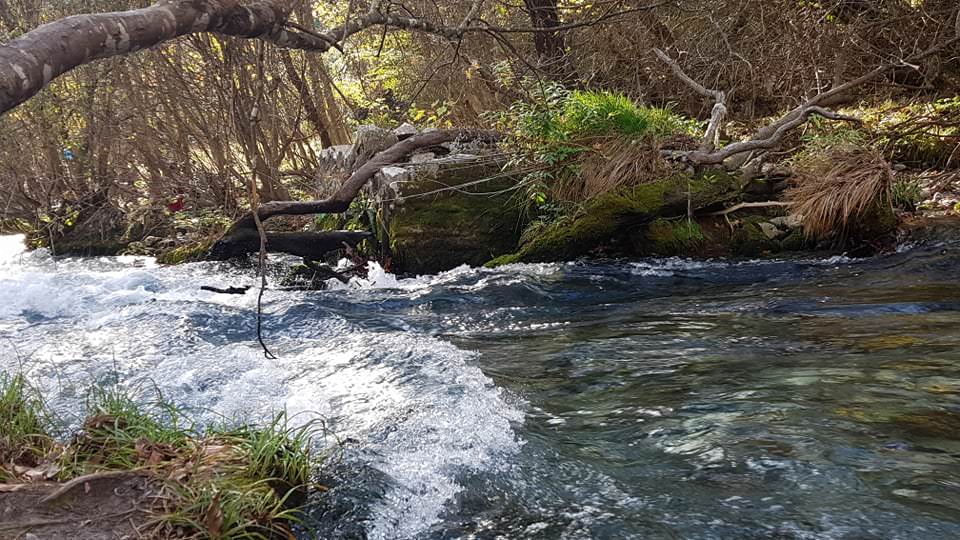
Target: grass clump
point(237, 480)
point(24, 439)
point(906, 194)
point(836, 185)
point(589, 113)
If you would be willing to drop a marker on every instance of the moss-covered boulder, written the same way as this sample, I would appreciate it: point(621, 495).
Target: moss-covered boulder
point(750, 240)
point(619, 216)
point(437, 216)
point(674, 236)
point(187, 253)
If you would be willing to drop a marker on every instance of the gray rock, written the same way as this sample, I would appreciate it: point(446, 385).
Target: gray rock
point(424, 165)
point(792, 221)
point(769, 230)
point(369, 141)
point(420, 158)
point(389, 179)
point(336, 158)
point(394, 174)
point(151, 241)
point(405, 130)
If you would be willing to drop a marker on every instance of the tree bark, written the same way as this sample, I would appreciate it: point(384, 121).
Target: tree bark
point(550, 46)
point(31, 61)
point(340, 201)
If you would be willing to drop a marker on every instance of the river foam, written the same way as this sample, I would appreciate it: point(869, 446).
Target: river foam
point(423, 413)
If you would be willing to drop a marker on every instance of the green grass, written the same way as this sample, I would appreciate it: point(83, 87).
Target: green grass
point(237, 480)
point(906, 194)
point(589, 113)
point(24, 425)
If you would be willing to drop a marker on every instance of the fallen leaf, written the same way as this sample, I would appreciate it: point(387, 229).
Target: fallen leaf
point(213, 521)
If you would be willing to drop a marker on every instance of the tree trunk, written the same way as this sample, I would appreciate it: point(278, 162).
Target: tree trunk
point(306, 96)
point(550, 46)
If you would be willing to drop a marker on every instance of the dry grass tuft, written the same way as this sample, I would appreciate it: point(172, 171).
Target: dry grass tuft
point(613, 163)
point(834, 186)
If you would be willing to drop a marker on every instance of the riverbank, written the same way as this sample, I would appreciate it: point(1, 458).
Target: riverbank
point(131, 470)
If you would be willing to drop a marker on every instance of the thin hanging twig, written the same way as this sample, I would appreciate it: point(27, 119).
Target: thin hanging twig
point(255, 207)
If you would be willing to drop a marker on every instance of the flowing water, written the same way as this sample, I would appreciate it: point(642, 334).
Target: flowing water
point(805, 399)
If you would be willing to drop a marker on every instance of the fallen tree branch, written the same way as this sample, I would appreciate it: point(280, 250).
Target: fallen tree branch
point(228, 290)
point(772, 141)
point(711, 138)
point(341, 200)
point(772, 135)
point(741, 206)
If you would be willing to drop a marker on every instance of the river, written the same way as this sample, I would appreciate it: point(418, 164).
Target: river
point(656, 399)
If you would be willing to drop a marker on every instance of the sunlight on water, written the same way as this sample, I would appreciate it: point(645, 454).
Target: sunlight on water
point(663, 398)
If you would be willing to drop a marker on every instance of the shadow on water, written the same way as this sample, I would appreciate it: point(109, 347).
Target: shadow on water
point(800, 399)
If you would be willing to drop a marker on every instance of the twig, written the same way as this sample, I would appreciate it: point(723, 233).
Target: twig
point(255, 209)
point(228, 290)
point(81, 480)
point(741, 206)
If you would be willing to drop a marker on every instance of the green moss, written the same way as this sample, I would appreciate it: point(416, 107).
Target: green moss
point(620, 212)
point(429, 234)
point(795, 241)
point(674, 237)
point(749, 240)
point(185, 254)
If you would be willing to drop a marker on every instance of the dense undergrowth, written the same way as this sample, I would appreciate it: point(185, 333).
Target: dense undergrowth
point(232, 480)
point(574, 145)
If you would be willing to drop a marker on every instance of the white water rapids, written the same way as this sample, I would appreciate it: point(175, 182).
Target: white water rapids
point(420, 409)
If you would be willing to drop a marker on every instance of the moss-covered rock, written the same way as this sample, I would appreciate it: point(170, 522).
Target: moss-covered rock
point(430, 232)
point(618, 214)
point(795, 241)
point(749, 240)
point(184, 254)
point(674, 237)
point(876, 226)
